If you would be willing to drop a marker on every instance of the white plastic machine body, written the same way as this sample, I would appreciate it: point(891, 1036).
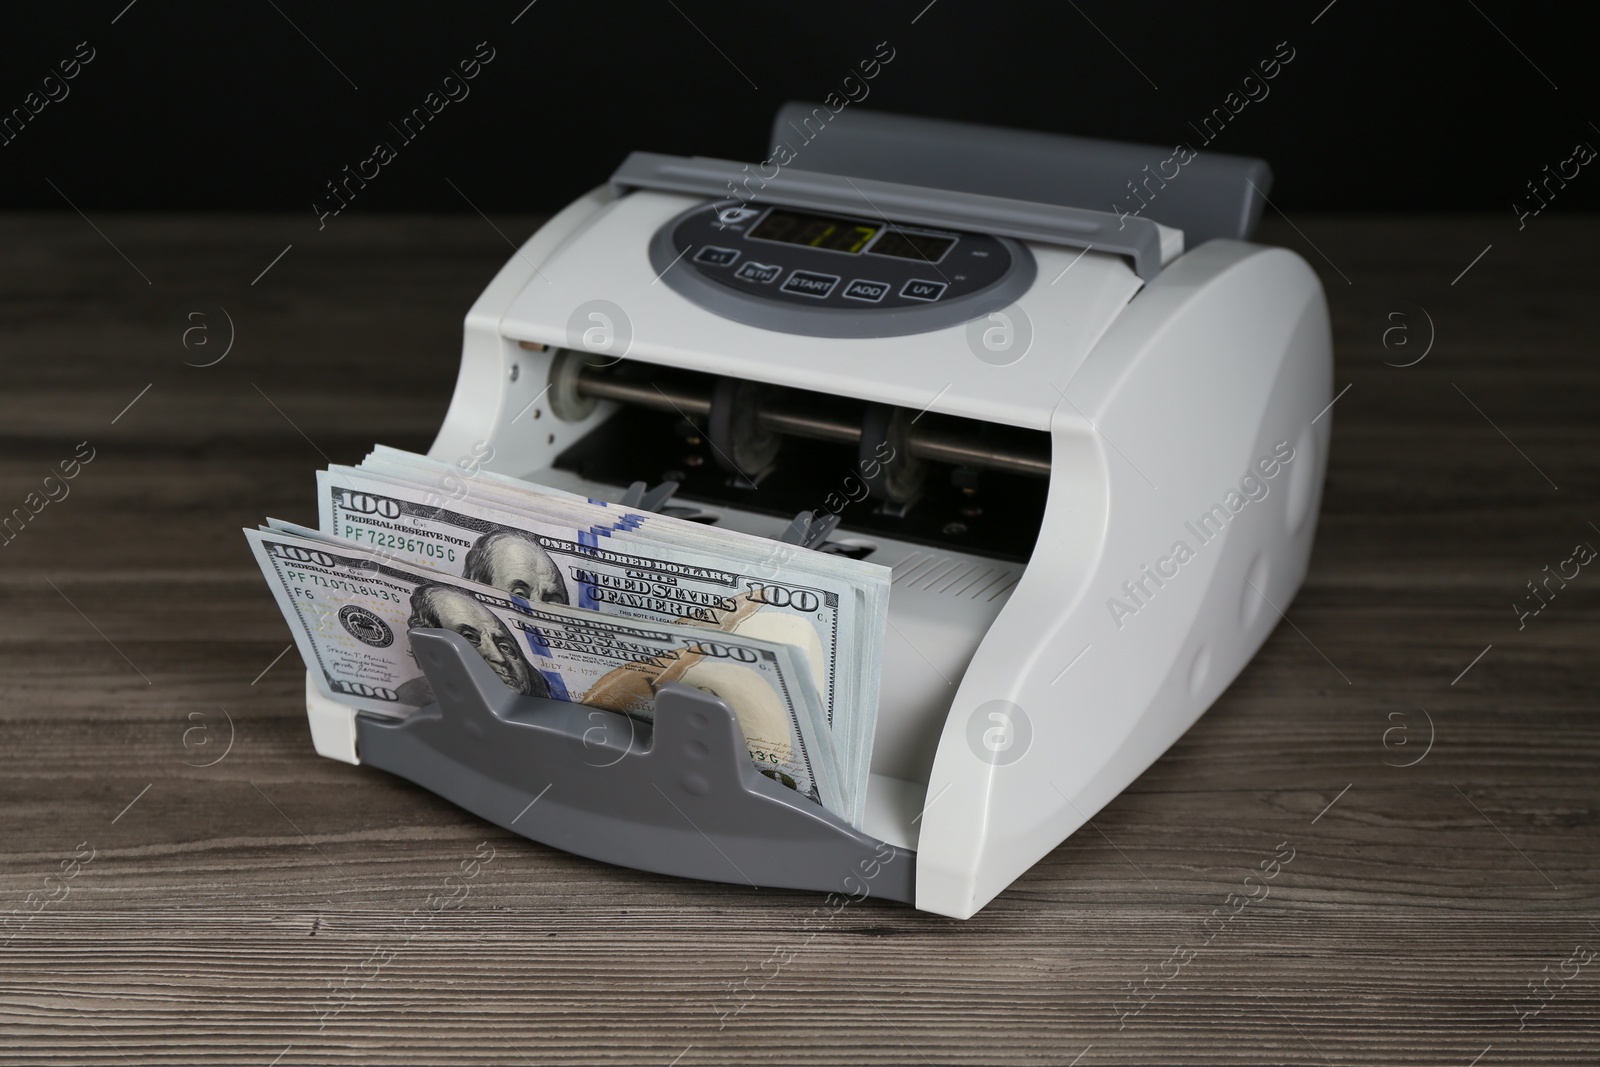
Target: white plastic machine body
point(1180, 392)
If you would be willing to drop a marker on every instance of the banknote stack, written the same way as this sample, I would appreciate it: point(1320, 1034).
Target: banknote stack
point(582, 600)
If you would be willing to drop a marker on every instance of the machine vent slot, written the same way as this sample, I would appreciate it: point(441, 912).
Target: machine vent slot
point(959, 578)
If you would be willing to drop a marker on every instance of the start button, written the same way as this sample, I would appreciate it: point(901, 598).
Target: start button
point(807, 283)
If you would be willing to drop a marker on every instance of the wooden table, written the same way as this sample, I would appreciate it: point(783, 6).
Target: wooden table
point(178, 900)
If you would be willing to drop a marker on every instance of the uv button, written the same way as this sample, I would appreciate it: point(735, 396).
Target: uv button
point(922, 289)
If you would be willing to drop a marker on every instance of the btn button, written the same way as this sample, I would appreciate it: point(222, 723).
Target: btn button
point(862, 289)
point(764, 273)
point(806, 283)
point(922, 289)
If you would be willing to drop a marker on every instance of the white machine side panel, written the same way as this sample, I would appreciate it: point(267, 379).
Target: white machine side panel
point(333, 725)
point(487, 399)
point(1224, 355)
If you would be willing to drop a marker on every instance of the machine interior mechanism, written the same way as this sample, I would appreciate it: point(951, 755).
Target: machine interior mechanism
point(922, 477)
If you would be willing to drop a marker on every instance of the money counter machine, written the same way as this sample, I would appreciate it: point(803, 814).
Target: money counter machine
point(1022, 370)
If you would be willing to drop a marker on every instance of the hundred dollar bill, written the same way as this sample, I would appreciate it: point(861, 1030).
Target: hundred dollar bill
point(447, 483)
point(350, 612)
point(853, 707)
point(561, 549)
point(552, 561)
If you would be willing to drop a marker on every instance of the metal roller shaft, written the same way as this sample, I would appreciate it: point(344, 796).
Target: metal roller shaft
point(947, 448)
point(643, 394)
point(788, 419)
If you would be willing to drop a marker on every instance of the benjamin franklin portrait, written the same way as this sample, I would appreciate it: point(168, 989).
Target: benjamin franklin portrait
point(452, 609)
point(515, 563)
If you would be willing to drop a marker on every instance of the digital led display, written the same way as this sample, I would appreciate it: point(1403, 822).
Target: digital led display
point(904, 245)
point(815, 231)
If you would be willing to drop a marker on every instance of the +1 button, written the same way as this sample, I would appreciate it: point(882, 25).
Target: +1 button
point(712, 256)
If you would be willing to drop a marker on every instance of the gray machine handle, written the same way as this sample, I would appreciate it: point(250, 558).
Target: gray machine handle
point(1074, 227)
point(679, 796)
point(1191, 187)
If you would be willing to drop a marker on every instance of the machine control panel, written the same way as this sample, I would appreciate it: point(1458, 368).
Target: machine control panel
point(813, 260)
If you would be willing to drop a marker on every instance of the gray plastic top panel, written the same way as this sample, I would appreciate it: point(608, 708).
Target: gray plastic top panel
point(897, 201)
point(1208, 196)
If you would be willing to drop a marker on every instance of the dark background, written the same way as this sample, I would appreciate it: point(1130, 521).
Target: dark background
point(1414, 107)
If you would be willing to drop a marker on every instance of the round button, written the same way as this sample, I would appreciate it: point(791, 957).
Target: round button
point(1199, 670)
point(1302, 476)
point(1253, 594)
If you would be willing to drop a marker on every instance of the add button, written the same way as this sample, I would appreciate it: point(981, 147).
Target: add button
point(922, 289)
point(861, 289)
